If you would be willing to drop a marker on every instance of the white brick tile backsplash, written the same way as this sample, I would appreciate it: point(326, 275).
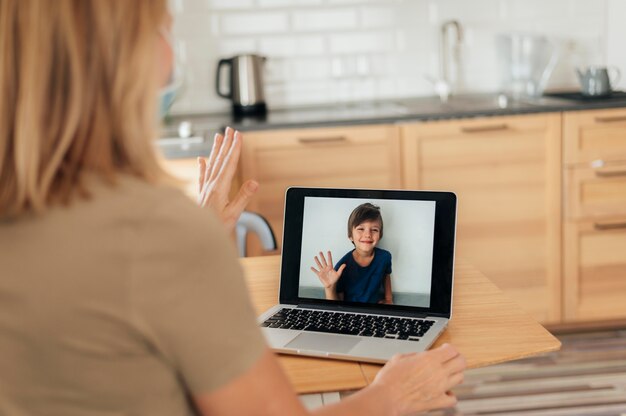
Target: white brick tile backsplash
point(354, 1)
point(276, 3)
point(236, 46)
point(277, 70)
point(230, 4)
point(254, 23)
point(325, 19)
point(385, 88)
point(288, 3)
point(292, 46)
point(310, 68)
point(464, 11)
point(377, 17)
point(517, 9)
point(323, 51)
point(362, 42)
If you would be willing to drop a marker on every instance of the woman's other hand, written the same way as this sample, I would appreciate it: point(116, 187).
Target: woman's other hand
point(326, 273)
point(420, 382)
point(216, 177)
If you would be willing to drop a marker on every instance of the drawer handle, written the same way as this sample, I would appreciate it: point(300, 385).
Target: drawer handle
point(481, 129)
point(611, 119)
point(312, 140)
point(609, 225)
point(610, 173)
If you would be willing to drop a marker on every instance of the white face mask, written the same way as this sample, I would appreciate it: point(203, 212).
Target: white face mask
point(169, 92)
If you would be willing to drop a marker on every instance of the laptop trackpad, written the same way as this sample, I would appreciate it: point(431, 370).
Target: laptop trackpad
point(323, 342)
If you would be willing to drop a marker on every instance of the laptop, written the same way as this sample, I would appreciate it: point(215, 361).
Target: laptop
point(365, 274)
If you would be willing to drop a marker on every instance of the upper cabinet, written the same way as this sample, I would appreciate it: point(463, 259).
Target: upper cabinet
point(506, 173)
point(594, 272)
point(349, 156)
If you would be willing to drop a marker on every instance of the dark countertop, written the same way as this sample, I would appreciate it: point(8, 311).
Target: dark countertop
point(378, 112)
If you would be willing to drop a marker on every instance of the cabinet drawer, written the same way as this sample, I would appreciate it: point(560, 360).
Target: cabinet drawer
point(297, 156)
point(593, 193)
point(185, 170)
point(594, 135)
point(595, 269)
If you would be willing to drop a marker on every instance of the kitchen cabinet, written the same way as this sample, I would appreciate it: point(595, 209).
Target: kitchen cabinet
point(506, 173)
point(594, 232)
point(186, 171)
point(349, 156)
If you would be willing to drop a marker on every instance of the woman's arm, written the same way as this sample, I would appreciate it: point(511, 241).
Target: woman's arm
point(407, 384)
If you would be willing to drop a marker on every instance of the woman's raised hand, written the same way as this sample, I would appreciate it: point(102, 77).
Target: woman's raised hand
point(420, 382)
point(326, 273)
point(216, 177)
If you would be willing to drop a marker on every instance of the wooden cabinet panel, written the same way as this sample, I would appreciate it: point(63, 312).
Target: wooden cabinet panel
point(506, 173)
point(595, 192)
point(594, 135)
point(186, 170)
point(594, 278)
point(595, 266)
point(351, 156)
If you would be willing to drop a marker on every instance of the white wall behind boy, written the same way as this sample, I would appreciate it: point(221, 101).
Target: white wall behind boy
point(329, 51)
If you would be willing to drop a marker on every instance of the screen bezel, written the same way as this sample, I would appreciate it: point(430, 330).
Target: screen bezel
point(443, 249)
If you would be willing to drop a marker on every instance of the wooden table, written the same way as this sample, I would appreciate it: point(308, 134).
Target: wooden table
point(486, 327)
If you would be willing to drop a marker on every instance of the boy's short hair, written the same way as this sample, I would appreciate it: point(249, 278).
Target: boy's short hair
point(365, 212)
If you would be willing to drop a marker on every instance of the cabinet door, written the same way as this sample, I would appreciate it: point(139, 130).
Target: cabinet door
point(361, 157)
point(506, 174)
point(595, 269)
point(595, 192)
point(597, 135)
point(186, 171)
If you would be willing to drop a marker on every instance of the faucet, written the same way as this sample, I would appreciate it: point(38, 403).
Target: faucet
point(453, 52)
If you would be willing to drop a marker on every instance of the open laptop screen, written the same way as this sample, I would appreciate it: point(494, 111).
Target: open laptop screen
point(381, 250)
point(391, 250)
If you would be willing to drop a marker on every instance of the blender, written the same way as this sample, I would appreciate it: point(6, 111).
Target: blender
point(526, 62)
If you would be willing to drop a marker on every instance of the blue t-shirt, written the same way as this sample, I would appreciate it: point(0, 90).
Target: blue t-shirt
point(364, 284)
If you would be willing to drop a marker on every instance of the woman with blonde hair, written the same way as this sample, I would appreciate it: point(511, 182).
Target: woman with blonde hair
point(117, 294)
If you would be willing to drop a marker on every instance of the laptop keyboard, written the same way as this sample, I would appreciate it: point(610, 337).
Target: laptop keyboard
point(349, 324)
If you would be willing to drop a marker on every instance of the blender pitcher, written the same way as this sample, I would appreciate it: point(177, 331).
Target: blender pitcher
point(527, 61)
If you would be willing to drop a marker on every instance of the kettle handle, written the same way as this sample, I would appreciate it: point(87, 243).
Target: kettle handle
point(221, 63)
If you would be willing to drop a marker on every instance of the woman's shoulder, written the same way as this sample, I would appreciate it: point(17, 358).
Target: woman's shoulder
point(151, 211)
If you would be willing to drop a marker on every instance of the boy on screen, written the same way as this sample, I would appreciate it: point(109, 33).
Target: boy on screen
point(364, 273)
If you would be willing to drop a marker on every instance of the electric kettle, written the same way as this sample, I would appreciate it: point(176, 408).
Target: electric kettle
point(245, 83)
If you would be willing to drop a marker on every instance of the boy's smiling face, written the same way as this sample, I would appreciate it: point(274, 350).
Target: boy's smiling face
point(366, 235)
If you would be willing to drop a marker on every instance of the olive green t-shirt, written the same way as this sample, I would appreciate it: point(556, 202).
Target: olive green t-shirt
point(124, 304)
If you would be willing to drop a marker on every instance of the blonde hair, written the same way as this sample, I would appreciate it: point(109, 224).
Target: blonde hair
point(78, 82)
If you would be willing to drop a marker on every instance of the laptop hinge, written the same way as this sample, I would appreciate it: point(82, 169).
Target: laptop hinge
point(377, 311)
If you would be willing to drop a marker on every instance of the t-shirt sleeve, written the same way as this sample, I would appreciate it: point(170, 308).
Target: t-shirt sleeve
point(189, 299)
point(340, 288)
point(388, 269)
